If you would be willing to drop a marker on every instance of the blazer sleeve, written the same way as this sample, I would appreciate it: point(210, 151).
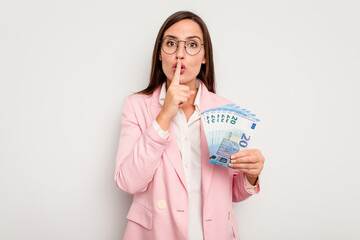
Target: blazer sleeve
point(240, 191)
point(139, 152)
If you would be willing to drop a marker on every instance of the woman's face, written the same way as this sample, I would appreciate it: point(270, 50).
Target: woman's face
point(191, 64)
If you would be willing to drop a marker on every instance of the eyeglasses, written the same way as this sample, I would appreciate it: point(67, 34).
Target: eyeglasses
point(192, 46)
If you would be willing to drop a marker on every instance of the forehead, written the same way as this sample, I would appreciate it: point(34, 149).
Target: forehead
point(184, 29)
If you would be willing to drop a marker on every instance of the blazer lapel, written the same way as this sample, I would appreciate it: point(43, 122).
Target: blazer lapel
point(172, 150)
point(207, 169)
point(173, 153)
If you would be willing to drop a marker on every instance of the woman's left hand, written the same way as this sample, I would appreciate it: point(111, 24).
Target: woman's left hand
point(249, 161)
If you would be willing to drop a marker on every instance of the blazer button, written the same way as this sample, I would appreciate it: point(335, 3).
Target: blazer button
point(229, 215)
point(161, 204)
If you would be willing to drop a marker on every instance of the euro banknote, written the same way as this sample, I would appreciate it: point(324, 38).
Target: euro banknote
point(228, 129)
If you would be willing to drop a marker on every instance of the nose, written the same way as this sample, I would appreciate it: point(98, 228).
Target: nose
point(181, 50)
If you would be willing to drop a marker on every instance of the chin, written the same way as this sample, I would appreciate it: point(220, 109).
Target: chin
point(184, 80)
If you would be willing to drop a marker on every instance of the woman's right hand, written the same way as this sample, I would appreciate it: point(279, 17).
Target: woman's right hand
point(176, 95)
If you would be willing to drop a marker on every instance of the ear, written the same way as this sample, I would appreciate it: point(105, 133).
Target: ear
point(204, 60)
point(160, 57)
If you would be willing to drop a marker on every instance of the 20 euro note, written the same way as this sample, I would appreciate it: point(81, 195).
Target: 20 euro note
point(228, 130)
point(233, 142)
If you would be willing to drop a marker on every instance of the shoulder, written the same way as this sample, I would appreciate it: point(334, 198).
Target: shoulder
point(219, 99)
point(134, 104)
point(140, 100)
point(210, 99)
point(137, 99)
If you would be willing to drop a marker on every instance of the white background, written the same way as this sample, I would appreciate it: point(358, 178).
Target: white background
point(66, 66)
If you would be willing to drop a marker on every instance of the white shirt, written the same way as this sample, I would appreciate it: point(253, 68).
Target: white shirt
point(188, 139)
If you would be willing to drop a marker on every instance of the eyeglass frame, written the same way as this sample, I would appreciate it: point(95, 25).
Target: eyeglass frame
point(177, 46)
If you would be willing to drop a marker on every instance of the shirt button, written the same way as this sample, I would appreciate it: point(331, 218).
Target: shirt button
point(186, 138)
point(161, 204)
point(186, 165)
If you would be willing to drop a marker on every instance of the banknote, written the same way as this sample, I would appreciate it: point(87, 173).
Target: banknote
point(228, 129)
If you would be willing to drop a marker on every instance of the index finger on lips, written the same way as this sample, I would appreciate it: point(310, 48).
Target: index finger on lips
point(176, 79)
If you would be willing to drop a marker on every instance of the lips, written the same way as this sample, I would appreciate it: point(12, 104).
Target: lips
point(182, 68)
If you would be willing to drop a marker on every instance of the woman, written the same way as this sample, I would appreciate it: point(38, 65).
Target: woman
point(163, 157)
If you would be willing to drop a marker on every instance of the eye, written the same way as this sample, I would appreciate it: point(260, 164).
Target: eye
point(170, 43)
point(193, 44)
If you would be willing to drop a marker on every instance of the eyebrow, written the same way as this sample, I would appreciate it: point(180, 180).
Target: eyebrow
point(190, 37)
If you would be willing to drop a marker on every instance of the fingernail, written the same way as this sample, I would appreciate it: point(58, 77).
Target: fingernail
point(230, 164)
point(232, 161)
point(231, 157)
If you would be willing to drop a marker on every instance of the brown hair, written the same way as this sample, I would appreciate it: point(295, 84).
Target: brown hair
point(206, 74)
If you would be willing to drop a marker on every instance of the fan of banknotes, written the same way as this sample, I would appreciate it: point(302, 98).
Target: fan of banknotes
point(229, 129)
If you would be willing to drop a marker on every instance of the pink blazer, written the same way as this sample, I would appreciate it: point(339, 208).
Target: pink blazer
point(151, 169)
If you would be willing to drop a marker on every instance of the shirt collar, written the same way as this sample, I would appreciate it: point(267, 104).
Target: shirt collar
point(197, 98)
